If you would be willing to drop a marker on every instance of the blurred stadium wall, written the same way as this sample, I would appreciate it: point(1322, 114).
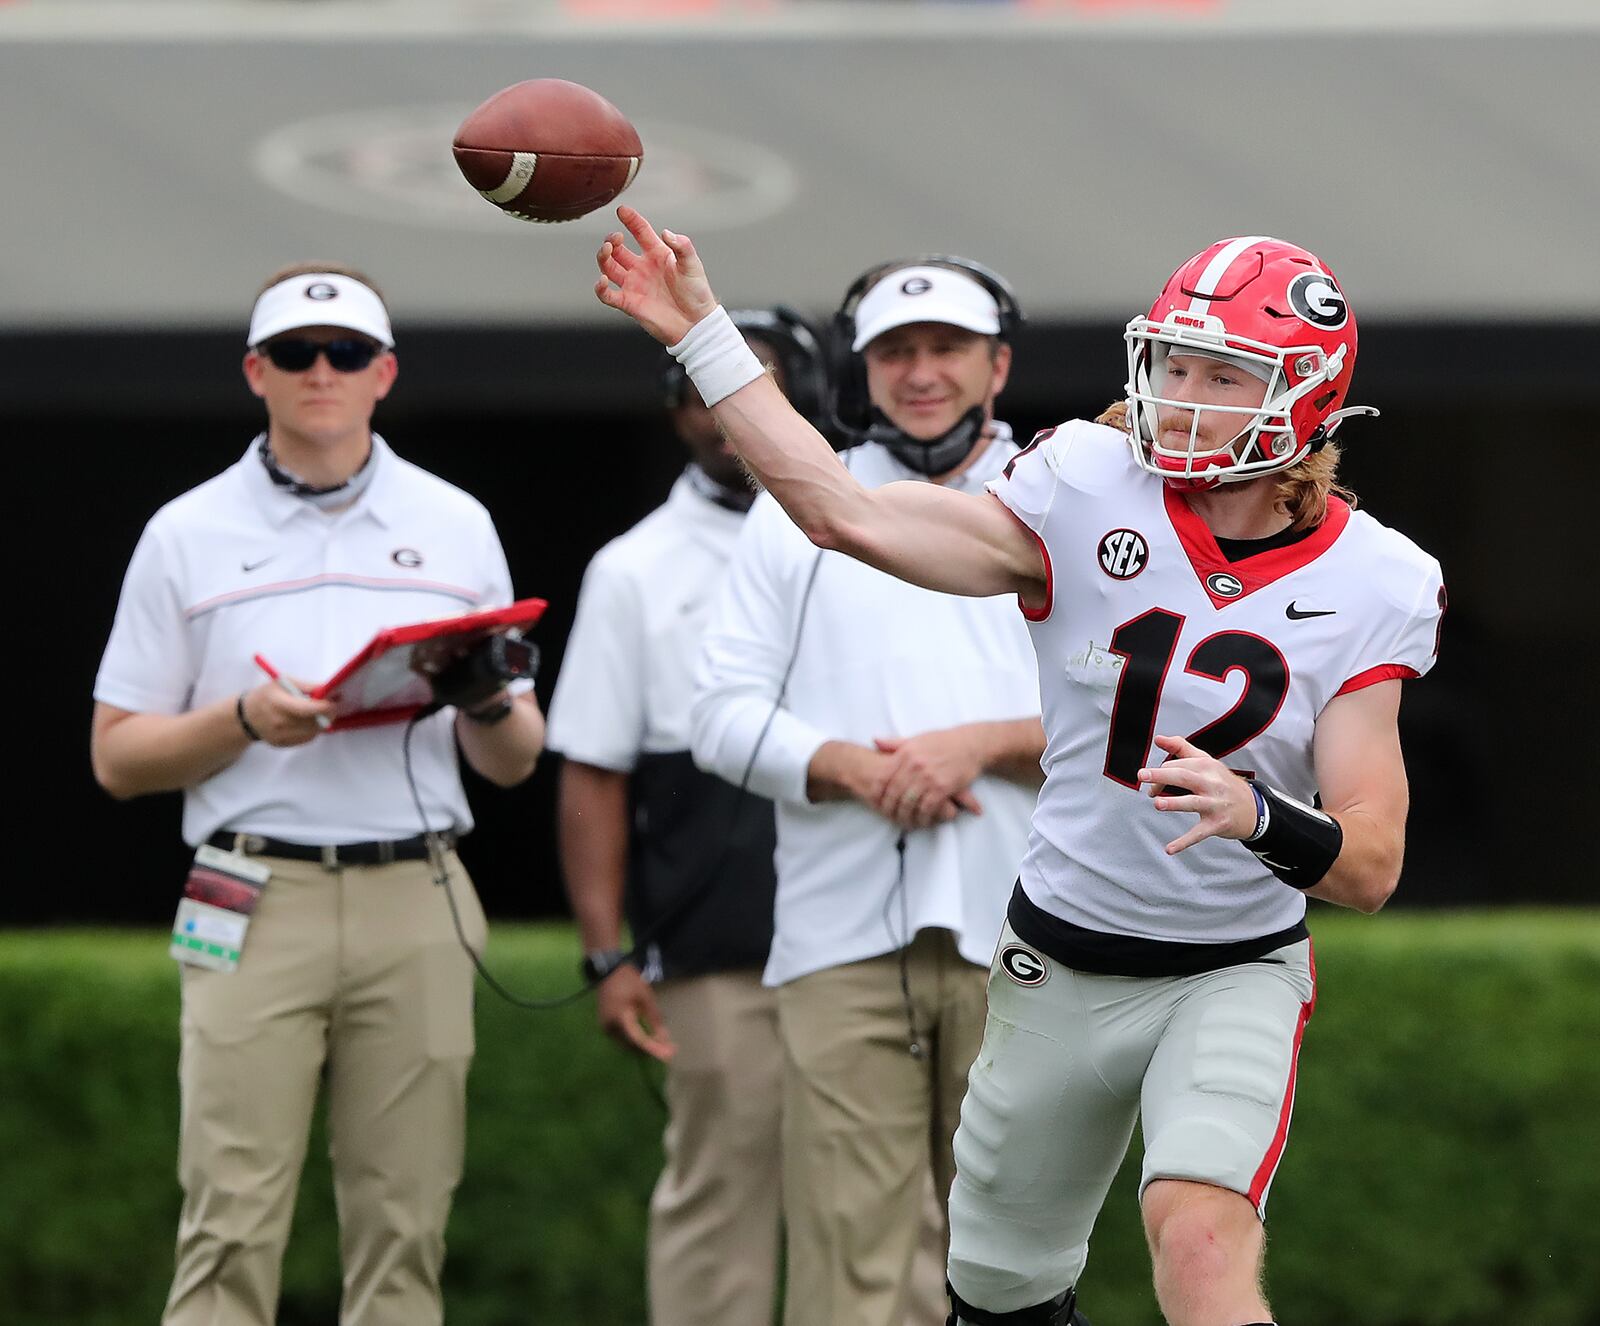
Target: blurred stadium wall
point(162, 156)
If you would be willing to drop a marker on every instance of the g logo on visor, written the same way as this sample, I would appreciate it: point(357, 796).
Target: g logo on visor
point(915, 285)
point(1316, 299)
point(321, 290)
point(1023, 965)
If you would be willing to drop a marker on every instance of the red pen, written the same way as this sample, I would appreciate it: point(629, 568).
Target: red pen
point(323, 721)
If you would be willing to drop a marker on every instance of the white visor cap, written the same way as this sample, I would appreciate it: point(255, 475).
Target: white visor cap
point(925, 294)
point(319, 299)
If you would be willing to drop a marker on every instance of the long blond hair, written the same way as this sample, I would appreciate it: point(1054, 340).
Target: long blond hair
point(1303, 489)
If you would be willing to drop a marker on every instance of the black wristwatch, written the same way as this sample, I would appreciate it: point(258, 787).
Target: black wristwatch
point(596, 966)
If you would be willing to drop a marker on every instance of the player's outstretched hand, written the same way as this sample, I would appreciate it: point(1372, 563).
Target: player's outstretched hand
point(629, 1014)
point(662, 287)
point(1193, 781)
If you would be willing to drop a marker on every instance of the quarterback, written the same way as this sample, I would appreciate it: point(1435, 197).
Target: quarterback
point(1222, 640)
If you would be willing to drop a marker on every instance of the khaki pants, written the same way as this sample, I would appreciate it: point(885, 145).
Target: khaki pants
point(715, 1213)
point(355, 975)
point(864, 1121)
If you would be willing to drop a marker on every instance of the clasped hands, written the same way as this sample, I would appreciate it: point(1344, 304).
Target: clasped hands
point(916, 782)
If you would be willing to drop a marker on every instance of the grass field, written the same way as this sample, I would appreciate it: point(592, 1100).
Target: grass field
point(1444, 1168)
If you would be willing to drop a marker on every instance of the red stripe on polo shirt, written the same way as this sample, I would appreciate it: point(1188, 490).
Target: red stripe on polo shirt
point(332, 579)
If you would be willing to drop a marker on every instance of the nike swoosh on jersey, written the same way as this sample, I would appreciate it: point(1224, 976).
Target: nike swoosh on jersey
point(1295, 614)
point(251, 566)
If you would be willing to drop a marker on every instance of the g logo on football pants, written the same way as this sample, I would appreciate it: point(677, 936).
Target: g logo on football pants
point(1023, 965)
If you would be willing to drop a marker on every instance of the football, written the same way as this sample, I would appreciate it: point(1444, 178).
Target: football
point(548, 150)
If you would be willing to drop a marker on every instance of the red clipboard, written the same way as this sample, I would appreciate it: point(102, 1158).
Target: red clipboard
point(378, 684)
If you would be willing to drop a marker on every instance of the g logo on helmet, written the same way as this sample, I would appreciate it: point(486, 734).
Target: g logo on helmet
point(1023, 965)
point(1316, 299)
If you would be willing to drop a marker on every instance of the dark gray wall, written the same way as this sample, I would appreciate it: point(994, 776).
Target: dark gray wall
point(1481, 456)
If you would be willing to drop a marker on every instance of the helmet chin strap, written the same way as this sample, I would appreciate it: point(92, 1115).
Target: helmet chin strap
point(1333, 421)
point(935, 456)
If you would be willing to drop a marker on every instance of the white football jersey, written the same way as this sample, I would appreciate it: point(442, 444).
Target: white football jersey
point(1150, 629)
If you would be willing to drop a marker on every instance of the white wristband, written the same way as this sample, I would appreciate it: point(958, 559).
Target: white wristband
point(716, 358)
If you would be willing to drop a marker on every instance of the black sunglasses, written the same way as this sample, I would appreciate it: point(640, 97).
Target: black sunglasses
point(295, 354)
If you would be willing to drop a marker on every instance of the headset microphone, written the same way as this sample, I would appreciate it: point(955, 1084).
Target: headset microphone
point(938, 456)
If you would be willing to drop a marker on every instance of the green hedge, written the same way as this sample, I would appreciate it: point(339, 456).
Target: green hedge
point(1443, 1170)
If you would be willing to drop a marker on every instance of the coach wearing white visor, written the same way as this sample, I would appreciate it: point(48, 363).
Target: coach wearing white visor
point(313, 939)
point(897, 730)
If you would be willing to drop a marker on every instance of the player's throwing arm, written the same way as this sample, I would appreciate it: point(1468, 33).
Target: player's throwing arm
point(957, 543)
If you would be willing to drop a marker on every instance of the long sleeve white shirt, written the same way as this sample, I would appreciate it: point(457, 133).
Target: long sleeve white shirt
point(873, 657)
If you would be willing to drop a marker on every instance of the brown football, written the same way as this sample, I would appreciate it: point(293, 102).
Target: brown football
point(548, 150)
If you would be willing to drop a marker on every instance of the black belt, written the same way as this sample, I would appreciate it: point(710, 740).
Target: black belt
point(331, 855)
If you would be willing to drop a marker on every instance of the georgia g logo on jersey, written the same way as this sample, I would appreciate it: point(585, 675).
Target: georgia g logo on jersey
point(1023, 965)
point(1224, 585)
point(1316, 299)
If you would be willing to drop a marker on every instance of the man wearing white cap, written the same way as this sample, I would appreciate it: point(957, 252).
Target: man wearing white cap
point(330, 952)
point(898, 733)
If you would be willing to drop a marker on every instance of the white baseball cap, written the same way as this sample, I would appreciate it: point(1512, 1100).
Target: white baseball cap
point(319, 299)
point(925, 294)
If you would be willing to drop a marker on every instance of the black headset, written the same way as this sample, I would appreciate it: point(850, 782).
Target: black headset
point(852, 407)
point(800, 356)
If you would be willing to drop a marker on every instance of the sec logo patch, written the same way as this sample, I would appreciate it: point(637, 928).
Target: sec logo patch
point(1123, 553)
point(1023, 965)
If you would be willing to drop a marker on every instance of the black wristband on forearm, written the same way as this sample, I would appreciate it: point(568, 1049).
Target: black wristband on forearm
point(238, 709)
point(490, 714)
point(1295, 842)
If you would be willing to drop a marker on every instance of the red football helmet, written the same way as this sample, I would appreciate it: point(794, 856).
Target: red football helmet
point(1275, 310)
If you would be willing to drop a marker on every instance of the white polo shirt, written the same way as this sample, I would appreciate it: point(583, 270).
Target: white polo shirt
point(238, 566)
point(875, 657)
point(627, 675)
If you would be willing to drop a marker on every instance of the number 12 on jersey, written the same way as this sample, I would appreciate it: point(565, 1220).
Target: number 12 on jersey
point(1146, 645)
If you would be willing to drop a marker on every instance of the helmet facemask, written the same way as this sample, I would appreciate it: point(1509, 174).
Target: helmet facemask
point(1268, 438)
